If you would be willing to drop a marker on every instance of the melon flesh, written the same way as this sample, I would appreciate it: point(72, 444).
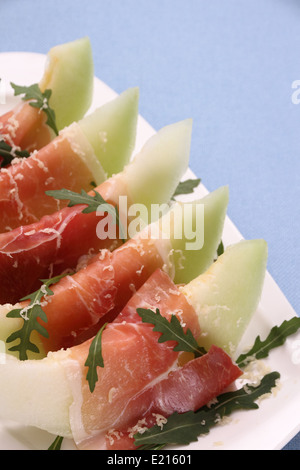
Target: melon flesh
point(226, 296)
point(69, 73)
point(190, 258)
point(148, 177)
point(40, 396)
point(111, 130)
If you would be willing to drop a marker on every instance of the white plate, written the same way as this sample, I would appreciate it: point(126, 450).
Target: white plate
point(277, 420)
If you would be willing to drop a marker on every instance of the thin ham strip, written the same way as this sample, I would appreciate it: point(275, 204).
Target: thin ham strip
point(134, 360)
point(142, 377)
point(97, 291)
point(25, 127)
point(50, 246)
point(185, 389)
point(23, 185)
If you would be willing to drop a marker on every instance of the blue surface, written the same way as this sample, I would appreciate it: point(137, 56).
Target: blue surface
point(228, 64)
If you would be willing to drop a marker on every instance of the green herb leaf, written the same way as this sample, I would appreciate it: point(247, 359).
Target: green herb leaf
point(93, 204)
point(276, 338)
point(184, 428)
point(8, 154)
point(30, 314)
point(186, 187)
point(171, 331)
point(56, 444)
point(38, 100)
point(95, 359)
point(220, 249)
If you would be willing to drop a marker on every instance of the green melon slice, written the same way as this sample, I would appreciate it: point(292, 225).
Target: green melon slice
point(226, 296)
point(111, 130)
point(37, 393)
point(192, 258)
point(153, 175)
point(69, 73)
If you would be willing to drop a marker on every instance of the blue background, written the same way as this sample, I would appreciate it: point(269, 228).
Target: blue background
point(228, 64)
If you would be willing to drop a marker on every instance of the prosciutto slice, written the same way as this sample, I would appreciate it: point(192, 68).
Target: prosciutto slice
point(185, 389)
point(25, 127)
point(140, 375)
point(50, 246)
point(97, 292)
point(63, 163)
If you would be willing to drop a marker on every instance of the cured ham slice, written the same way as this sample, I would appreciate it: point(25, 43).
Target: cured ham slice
point(70, 161)
point(56, 242)
point(100, 289)
point(152, 384)
point(65, 162)
point(185, 389)
point(25, 128)
point(47, 248)
point(160, 292)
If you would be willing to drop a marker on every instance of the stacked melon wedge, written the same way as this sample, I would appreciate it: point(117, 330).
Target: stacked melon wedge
point(41, 235)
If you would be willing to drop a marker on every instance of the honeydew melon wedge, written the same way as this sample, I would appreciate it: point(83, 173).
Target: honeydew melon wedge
point(111, 130)
point(226, 296)
point(69, 73)
point(107, 155)
point(38, 393)
point(202, 225)
point(40, 396)
point(153, 175)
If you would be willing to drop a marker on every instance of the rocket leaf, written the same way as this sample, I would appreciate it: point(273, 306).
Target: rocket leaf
point(276, 337)
point(95, 359)
point(184, 428)
point(94, 203)
point(186, 187)
point(37, 99)
point(8, 154)
point(171, 331)
point(30, 314)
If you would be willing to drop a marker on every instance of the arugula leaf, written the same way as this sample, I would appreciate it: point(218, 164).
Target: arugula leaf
point(30, 314)
point(38, 100)
point(220, 249)
point(93, 203)
point(184, 428)
point(186, 187)
point(171, 331)
point(276, 337)
point(56, 444)
point(8, 153)
point(95, 359)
